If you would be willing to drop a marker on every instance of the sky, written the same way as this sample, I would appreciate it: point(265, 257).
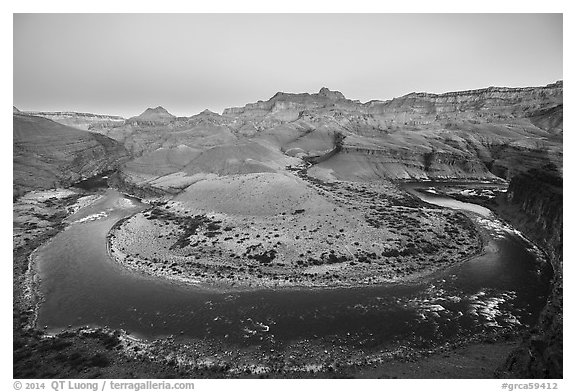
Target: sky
point(120, 64)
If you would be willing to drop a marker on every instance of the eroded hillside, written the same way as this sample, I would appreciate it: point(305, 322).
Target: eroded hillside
point(48, 154)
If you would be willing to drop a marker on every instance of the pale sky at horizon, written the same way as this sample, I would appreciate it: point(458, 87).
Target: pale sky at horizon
point(121, 64)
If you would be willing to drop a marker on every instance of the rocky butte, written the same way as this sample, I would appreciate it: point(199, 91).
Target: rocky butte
point(150, 117)
point(296, 190)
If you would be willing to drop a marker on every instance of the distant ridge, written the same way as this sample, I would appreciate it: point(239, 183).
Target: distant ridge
point(70, 114)
point(208, 112)
point(83, 121)
point(161, 115)
point(557, 85)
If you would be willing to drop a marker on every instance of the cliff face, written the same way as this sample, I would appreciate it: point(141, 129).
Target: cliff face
point(47, 154)
point(534, 205)
point(476, 134)
point(492, 102)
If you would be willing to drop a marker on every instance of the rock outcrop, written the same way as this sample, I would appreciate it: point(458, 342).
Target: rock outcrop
point(48, 154)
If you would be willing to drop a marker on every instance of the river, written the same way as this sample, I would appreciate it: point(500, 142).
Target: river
point(501, 289)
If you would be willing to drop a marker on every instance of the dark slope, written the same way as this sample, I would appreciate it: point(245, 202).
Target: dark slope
point(48, 154)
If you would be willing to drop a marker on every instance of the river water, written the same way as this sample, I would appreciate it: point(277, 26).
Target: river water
point(81, 285)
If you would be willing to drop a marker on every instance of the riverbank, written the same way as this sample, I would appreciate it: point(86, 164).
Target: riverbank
point(77, 353)
point(38, 217)
point(479, 356)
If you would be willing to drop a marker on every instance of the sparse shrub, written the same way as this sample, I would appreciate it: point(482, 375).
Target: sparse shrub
point(99, 360)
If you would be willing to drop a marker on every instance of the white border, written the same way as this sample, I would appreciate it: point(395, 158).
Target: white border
point(357, 6)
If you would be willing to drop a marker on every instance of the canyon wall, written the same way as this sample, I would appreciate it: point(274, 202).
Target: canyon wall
point(475, 134)
point(482, 134)
point(533, 204)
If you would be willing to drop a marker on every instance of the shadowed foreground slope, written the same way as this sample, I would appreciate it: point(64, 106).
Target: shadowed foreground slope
point(534, 204)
